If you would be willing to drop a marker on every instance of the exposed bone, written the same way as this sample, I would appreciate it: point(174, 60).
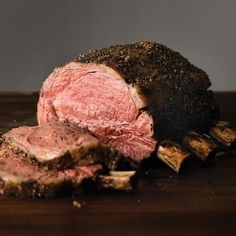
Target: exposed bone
point(117, 180)
point(200, 145)
point(224, 135)
point(173, 155)
point(224, 123)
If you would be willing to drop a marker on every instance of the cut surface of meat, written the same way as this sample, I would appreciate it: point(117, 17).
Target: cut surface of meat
point(130, 96)
point(96, 97)
point(59, 145)
point(22, 178)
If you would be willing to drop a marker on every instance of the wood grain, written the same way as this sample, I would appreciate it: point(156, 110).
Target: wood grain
point(202, 201)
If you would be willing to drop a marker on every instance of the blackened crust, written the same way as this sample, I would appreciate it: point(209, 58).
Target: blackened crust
point(175, 91)
point(145, 63)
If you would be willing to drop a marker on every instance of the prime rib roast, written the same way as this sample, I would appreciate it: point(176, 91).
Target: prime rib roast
point(58, 159)
point(22, 178)
point(111, 106)
point(130, 96)
point(60, 145)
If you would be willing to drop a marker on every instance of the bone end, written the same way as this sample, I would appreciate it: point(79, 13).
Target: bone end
point(224, 135)
point(173, 155)
point(117, 180)
point(200, 145)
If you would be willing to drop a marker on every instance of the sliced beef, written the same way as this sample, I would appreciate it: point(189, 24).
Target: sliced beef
point(129, 96)
point(60, 145)
point(22, 178)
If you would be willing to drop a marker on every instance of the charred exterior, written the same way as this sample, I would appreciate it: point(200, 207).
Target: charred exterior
point(69, 145)
point(176, 92)
point(21, 178)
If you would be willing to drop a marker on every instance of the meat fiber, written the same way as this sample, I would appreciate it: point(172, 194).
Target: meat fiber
point(22, 178)
point(130, 96)
point(60, 145)
point(101, 103)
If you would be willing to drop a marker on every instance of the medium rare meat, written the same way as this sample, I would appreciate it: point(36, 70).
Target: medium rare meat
point(60, 145)
point(22, 178)
point(130, 96)
point(105, 106)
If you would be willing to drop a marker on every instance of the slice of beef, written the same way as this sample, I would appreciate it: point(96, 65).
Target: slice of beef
point(61, 145)
point(22, 178)
point(130, 96)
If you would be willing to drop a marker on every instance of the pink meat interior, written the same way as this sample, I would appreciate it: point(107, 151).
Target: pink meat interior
point(51, 140)
point(12, 165)
point(96, 97)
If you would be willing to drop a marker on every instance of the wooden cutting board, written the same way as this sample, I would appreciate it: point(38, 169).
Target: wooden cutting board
point(200, 202)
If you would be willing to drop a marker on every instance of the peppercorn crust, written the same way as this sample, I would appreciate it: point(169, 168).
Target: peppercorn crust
point(175, 91)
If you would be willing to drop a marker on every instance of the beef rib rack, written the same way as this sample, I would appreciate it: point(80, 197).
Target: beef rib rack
point(131, 97)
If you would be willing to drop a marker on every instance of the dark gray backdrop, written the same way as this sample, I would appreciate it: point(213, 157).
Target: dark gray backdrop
point(37, 35)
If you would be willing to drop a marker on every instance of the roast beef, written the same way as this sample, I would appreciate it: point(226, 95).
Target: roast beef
point(22, 178)
point(130, 96)
point(61, 145)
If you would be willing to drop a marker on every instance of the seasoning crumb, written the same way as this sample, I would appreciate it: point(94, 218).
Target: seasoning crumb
point(76, 204)
point(127, 58)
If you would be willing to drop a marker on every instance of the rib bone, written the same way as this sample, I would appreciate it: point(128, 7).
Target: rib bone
point(224, 135)
point(117, 180)
point(173, 155)
point(200, 145)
